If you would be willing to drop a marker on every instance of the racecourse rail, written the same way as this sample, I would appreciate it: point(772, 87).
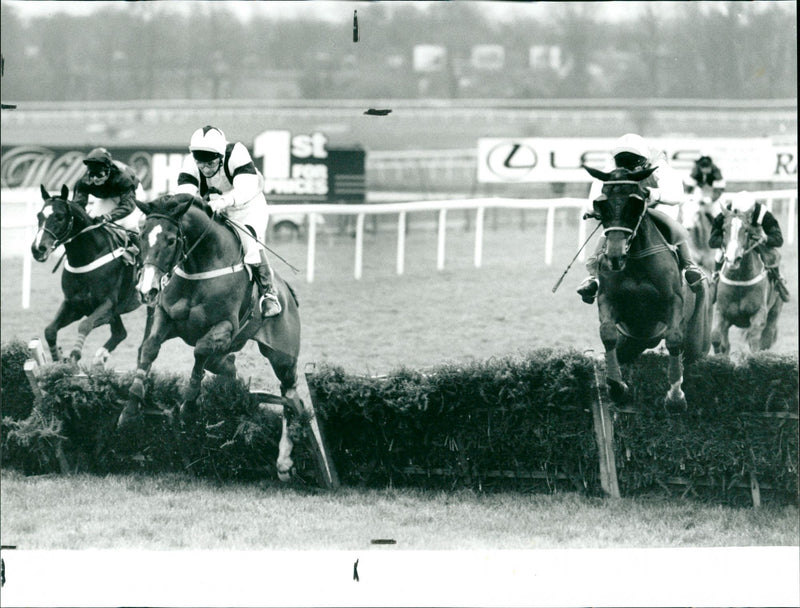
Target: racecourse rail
point(30, 198)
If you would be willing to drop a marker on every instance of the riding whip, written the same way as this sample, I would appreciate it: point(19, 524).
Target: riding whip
point(558, 283)
point(282, 259)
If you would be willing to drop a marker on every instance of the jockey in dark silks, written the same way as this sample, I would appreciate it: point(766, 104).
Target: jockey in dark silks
point(706, 182)
point(762, 219)
point(113, 187)
point(665, 188)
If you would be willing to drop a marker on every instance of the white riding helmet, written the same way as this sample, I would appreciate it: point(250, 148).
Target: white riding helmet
point(208, 139)
point(742, 203)
point(635, 144)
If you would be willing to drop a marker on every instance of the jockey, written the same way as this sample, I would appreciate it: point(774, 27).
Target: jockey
point(707, 177)
point(113, 186)
point(665, 187)
point(758, 216)
point(226, 174)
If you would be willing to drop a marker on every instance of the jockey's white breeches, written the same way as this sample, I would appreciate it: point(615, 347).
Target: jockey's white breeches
point(96, 207)
point(255, 215)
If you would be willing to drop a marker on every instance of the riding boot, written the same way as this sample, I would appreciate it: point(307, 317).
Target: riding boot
point(780, 283)
point(268, 301)
point(693, 274)
point(590, 285)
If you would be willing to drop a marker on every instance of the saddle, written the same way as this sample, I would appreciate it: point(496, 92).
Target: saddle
point(120, 237)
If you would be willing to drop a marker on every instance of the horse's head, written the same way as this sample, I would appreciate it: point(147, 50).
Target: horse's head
point(739, 237)
point(56, 223)
point(620, 208)
point(163, 241)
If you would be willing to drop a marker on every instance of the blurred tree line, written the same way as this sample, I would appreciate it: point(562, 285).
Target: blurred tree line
point(149, 51)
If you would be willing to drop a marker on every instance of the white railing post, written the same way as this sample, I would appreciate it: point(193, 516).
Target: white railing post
point(440, 240)
point(401, 242)
point(548, 237)
point(479, 236)
point(359, 246)
point(312, 247)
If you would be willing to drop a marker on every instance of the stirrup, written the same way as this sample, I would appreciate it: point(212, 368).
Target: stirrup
point(694, 276)
point(588, 289)
point(269, 305)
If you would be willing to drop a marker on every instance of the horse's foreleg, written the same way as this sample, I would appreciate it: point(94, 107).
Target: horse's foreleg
point(66, 314)
point(214, 344)
point(770, 333)
point(609, 335)
point(100, 316)
point(673, 340)
point(285, 463)
point(758, 322)
point(118, 334)
point(719, 335)
point(161, 330)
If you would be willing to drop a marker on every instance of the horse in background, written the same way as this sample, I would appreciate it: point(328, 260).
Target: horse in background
point(746, 298)
point(99, 276)
point(195, 277)
point(642, 298)
point(697, 217)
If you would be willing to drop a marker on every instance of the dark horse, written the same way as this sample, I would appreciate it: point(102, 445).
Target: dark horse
point(98, 281)
point(642, 298)
point(746, 297)
point(194, 272)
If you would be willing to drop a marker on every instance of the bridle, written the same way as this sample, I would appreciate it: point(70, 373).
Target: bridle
point(181, 254)
point(66, 238)
point(631, 231)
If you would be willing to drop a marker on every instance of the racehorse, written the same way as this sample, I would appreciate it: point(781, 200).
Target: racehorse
point(697, 219)
point(99, 276)
point(746, 297)
point(642, 298)
point(194, 273)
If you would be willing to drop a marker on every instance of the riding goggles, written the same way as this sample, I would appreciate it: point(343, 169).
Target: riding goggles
point(98, 172)
point(201, 157)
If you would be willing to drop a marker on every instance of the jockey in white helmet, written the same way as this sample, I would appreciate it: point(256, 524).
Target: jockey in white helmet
point(225, 173)
point(744, 205)
point(665, 187)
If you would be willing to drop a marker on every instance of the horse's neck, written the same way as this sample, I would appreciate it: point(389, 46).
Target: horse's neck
point(210, 244)
point(750, 267)
point(85, 247)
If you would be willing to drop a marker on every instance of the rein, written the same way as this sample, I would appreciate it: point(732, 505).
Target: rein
point(176, 263)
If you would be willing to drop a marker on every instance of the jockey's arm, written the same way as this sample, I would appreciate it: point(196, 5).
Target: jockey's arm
point(126, 205)
point(80, 194)
point(670, 187)
point(245, 180)
point(773, 230)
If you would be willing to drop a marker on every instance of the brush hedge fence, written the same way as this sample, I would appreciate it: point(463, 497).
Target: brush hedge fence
point(521, 423)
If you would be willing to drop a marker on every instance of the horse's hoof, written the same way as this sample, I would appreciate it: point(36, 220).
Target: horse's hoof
point(129, 413)
point(285, 476)
point(136, 391)
point(187, 412)
point(618, 391)
point(676, 401)
point(101, 357)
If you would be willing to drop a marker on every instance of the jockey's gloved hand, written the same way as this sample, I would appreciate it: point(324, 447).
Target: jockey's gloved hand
point(212, 193)
point(219, 203)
